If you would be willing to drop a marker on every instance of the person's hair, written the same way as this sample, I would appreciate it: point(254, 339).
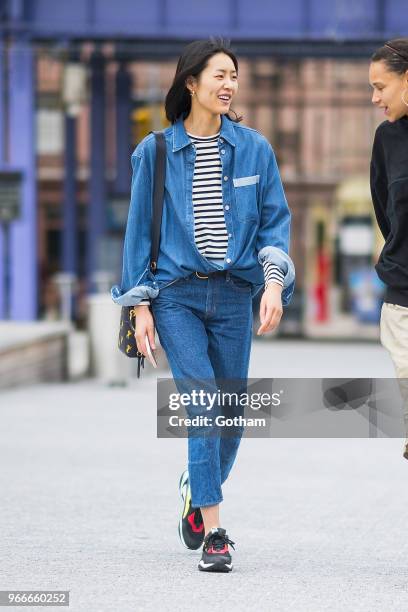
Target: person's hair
point(394, 53)
point(192, 62)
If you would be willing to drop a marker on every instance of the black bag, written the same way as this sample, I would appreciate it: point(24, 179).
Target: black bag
point(127, 341)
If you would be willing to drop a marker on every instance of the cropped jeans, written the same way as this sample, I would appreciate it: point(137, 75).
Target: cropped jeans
point(205, 329)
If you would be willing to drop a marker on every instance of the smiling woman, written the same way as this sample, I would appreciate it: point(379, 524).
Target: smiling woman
point(388, 75)
point(224, 237)
point(212, 79)
point(389, 78)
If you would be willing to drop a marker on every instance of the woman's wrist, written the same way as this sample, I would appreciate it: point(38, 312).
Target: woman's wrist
point(273, 287)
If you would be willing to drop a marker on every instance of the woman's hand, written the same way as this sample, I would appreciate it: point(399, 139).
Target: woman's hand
point(144, 326)
point(270, 310)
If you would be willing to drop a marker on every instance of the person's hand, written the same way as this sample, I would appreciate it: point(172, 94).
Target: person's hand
point(270, 309)
point(144, 326)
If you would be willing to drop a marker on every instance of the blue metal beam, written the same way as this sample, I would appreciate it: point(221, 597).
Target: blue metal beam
point(70, 229)
point(24, 261)
point(162, 50)
point(123, 136)
point(3, 158)
point(332, 20)
point(97, 187)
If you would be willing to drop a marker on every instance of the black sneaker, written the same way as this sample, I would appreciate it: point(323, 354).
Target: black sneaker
point(216, 556)
point(191, 525)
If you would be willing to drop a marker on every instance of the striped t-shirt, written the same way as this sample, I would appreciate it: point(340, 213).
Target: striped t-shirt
point(210, 231)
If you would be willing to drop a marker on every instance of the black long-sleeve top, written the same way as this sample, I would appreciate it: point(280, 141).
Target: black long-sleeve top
point(389, 191)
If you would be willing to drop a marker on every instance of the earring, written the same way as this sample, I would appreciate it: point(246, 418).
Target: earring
point(192, 93)
point(403, 97)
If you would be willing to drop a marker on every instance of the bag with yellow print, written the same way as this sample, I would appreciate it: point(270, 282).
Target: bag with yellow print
point(127, 341)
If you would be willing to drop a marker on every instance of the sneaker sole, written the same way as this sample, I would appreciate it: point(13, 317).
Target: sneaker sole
point(215, 567)
point(183, 489)
point(183, 484)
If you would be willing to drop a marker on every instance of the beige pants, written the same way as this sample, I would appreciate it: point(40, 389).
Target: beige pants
point(394, 337)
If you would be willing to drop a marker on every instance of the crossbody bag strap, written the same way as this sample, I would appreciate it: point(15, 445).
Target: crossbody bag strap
point(158, 197)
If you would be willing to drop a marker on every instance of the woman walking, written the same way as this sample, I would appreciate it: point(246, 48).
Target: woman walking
point(224, 237)
point(388, 76)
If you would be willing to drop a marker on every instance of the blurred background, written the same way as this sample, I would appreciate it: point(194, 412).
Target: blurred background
point(82, 82)
point(85, 482)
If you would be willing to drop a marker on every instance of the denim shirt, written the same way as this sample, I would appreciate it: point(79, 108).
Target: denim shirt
point(256, 214)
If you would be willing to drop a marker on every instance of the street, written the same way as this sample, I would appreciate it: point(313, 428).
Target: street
point(90, 502)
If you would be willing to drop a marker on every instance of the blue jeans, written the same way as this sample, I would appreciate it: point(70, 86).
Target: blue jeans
point(205, 329)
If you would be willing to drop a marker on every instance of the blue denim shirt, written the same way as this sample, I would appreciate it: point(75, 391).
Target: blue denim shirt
point(256, 214)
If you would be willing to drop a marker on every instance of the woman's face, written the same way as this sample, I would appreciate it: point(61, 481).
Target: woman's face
point(388, 88)
point(216, 85)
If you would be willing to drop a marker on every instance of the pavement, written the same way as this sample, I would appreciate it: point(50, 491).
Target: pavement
point(89, 502)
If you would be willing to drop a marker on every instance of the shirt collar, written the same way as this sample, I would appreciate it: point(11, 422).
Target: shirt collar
point(181, 139)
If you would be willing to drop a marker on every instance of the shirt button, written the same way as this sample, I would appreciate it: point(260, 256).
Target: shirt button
point(229, 235)
point(228, 260)
point(223, 151)
point(225, 178)
point(221, 140)
point(226, 207)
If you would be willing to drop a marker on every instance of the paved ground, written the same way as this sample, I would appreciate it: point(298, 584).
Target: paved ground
point(89, 503)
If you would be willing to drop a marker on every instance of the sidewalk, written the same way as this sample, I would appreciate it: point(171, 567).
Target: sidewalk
point(90, 503)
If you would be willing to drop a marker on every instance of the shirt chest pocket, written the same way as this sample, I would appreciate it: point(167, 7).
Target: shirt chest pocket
point(246, 197)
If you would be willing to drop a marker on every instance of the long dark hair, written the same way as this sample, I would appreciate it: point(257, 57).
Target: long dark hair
point(192, 62)
point(395, 55)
